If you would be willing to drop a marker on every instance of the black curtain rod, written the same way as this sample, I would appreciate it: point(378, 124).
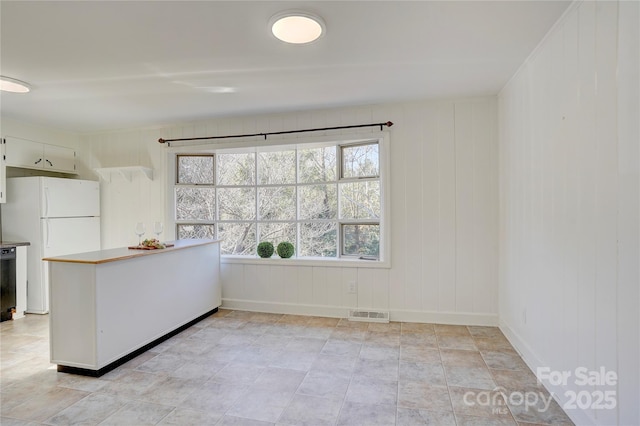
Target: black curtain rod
point(388, 124)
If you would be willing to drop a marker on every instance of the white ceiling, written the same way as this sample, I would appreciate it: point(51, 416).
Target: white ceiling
point(98, 65)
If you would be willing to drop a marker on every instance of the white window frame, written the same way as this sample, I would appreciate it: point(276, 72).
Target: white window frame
point(382, 138)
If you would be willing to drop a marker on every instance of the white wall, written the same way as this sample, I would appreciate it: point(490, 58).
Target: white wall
point(568, 125)
point(444, 212)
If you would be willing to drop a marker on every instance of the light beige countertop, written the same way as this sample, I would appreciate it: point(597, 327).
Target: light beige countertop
point(122, 253)
point(7, 244)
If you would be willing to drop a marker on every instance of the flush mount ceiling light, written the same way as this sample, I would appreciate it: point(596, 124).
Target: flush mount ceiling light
point(8, 84)
point(297, 27)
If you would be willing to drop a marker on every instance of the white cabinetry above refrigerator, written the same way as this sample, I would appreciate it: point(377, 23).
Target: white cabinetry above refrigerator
point(40, 156)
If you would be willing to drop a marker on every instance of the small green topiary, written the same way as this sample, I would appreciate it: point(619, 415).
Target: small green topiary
point(285, 250)
point(265, 249)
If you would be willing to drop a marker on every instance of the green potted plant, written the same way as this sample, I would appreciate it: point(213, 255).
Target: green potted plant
point(285, 250)
point(265, 249)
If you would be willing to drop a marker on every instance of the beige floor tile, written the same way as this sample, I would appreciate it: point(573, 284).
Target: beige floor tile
point(348, 334)
point(41, 407)
point(372, 391)
point(485, 421)
point(500, 344)
point(422, 395)
point(334, 365)
point(453, 341)
point(377, 369)
point(469, 377)
point(310, 410)
point(391, 327)
point(419, 354)
point(432, 373)
point(238, 373)
point(323, 322)
point(170, 390)
point(90, 410)
point(414, 327)
point(423, 340)
point(324, 385)
point(379, 352)
point(503, 361)
point(263, 405)
point(182, 417)
point(305, 344)
point(458, 357)
point(6, 421)
point(280, 379)
point(382, 339)
point(356, 413)
point(452, 330)
point(213, 398)
point(417, 416)
point(239, 421)
point(138, 413)
point(488, 332)
point(341, 348)
point(266, 318)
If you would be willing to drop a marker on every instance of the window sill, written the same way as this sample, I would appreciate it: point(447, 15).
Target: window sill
point(277, 261)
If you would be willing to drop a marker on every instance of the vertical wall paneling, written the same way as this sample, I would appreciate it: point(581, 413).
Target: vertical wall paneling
point(464, 216)
point(569, 205)
point(430, 209)
point(413, 213)
point(447, 209)
point(629, 212)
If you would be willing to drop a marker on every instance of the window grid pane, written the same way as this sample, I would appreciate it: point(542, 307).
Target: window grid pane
point(360, 161)
point(194, 230)
point(258, 199)
point(195, 169)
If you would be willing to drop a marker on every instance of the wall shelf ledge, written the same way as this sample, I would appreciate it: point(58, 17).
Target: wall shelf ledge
point(124, 171)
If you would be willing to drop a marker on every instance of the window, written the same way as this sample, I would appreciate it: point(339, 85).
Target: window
point(325, 199)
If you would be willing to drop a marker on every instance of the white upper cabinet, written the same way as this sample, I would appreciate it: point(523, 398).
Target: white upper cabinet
point(35, 155)
point(59, 158)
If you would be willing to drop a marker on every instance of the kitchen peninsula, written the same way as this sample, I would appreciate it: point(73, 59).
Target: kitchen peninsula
point(108, 306)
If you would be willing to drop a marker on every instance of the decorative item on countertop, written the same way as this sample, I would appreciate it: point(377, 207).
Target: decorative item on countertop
point(285, 250)
point(265, 249)
point(150, 244)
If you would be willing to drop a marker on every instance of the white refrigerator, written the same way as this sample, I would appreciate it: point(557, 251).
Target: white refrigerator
point(58, 217)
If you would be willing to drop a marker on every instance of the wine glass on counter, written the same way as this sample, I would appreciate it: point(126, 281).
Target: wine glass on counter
point(139, 230)
point(157, 229)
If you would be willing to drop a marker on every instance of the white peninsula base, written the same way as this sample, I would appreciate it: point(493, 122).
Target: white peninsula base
point(106, 307)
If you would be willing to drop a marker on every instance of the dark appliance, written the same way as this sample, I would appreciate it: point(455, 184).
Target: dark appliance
point(7, 283)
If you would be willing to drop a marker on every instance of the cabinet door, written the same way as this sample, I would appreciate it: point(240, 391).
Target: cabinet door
point(24, 153)
point(59, 158)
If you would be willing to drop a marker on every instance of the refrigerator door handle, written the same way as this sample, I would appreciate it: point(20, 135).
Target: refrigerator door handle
point(46, 241)
point(46, 202)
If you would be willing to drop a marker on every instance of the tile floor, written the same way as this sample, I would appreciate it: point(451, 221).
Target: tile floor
point(243, 368)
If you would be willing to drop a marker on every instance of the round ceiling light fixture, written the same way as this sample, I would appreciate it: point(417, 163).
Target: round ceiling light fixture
point(8, 84)
point(297, 27)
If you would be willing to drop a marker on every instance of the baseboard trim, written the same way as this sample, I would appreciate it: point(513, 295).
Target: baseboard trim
point(285, 308)
point(454, 318)
point(530, 358)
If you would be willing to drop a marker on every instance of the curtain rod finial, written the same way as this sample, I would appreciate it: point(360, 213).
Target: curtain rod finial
point(389, 123)
point(161, 140)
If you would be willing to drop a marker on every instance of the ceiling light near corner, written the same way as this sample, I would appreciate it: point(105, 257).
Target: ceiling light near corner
point(297, 27)
point(8, 84)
